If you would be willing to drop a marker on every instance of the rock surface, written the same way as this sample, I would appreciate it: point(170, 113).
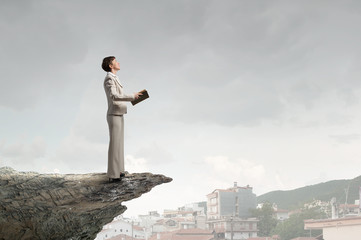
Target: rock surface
point(70, 206)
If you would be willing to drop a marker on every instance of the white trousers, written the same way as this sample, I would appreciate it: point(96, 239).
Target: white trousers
point(116, 146)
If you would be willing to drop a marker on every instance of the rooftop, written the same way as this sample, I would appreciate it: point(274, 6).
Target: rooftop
point(326, 223)
point(124, 237)
point(185, 234)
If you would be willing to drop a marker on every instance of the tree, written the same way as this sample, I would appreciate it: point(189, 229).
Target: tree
point(294, 226)
point(267, 222)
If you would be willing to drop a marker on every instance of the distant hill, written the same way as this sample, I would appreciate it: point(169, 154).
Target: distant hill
point(292, 199)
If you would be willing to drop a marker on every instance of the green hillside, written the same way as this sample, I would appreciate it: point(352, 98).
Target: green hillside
point(292, 199)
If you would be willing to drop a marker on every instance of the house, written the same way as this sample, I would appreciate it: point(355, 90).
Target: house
point(120, 226)
point(335, 229)
point(281, 214)
point(189, 216)
point(172, 224)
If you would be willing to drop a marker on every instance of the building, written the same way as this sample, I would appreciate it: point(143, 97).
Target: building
point(335, 229)
point(178, 213)
point(235, 201)
point(123, 237)
point(148, 221)
point(233, 226)
point(121, 227)
point(177, 223)
point(348, 209)
point(189, 216)
point(201, 221)
point(281, 214)
point(199, 207)
point(185, 234)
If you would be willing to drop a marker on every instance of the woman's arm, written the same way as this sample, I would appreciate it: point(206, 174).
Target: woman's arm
point(112, 90)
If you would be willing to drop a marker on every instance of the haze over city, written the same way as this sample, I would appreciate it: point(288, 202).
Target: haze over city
point(263, 93)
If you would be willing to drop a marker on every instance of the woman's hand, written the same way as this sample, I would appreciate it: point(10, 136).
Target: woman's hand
point(137, 95)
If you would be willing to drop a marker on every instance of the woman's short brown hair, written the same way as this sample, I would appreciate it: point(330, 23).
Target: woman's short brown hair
point(106, 62)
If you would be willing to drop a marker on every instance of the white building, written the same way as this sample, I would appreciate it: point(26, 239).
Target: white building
point(239, 228)
point(147, 222)
point(337, 229)
point(121, 227)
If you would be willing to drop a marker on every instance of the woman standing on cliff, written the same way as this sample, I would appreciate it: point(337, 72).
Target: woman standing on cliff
point(116, 109)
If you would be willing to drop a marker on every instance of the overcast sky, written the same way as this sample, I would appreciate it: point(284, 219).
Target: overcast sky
point(265, 93)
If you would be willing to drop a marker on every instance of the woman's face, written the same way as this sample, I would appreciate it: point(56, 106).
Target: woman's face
point(115, 65)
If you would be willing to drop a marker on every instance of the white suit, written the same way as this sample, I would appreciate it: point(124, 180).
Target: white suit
point(116, 109)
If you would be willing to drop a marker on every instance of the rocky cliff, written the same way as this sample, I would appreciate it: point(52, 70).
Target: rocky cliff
point(70, 206)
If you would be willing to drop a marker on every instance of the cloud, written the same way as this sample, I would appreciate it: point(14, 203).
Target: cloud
point(346, 138)
point(228, 171)
point(90, 122)
point(245, 68)
point(155, 154)
point(38, 52)
point(229, 64)
point(133, 164)
point(23, 151)
point(77, 154)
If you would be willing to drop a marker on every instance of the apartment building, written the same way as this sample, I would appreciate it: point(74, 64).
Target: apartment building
point(235, 201)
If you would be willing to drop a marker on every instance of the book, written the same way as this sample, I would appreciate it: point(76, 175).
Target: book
point(142, 97)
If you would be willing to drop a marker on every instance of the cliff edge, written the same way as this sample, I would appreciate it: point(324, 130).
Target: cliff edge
point(64, 206)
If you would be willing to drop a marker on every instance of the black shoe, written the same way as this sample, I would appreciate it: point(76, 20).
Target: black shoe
point(111, 180)
point(122, 174)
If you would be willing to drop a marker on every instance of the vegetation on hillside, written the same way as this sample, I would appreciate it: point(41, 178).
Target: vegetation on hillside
point(294, 199)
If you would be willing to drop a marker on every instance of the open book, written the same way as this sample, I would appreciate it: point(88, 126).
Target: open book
point(142, 97)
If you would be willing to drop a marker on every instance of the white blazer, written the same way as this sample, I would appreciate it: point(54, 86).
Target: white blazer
point(115, 95)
